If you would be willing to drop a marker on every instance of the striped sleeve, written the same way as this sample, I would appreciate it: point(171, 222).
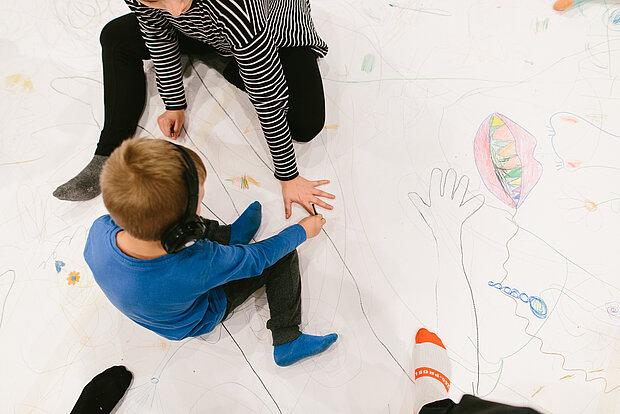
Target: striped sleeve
point(161, 41)
point(259, 64)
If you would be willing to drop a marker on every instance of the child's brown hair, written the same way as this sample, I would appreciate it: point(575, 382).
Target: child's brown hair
point(144, 187)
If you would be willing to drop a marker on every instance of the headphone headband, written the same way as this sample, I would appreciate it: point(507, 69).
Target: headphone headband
point(191, 179)
point(190, 227)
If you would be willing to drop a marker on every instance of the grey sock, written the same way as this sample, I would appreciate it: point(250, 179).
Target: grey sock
point(85, 185)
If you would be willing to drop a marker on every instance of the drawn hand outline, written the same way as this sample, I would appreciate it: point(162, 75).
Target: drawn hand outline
point(446, 197)
point(445, 213)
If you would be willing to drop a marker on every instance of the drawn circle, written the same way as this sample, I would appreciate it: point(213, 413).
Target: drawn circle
point(590, 206)
point(538, 307)
point(507, 290)
point(613, 309)
point(527, 298)
point(495, 285)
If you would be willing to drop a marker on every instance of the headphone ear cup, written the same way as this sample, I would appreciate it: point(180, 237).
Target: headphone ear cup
point(181, 235)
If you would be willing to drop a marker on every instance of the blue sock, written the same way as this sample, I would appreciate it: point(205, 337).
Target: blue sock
point(302, 347)
point(246, 226)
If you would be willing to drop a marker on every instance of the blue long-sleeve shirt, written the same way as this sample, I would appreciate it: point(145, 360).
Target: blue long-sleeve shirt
point(178, 295)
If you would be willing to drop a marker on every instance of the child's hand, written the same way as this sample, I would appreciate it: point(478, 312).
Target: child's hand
point(312, 225)
point(170, 123)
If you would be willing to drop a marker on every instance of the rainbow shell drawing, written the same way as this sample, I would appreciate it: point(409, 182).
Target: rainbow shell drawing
point(504, 153)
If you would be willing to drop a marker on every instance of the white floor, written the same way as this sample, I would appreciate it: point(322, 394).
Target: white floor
point(407, 88)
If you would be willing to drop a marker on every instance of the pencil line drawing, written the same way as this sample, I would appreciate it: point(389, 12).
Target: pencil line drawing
point(6, 289)
point(447, 195)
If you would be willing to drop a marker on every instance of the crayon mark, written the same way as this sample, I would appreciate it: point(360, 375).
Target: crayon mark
point(569, 119)
point(73, 278)
point(333, 126)
point(537, 391)
point(368, 63)
point(613, 19)
point(542, 25)
point(590, 205)
point(19, 83)
point(59, 264)
point(567, 376)
point(243, 182)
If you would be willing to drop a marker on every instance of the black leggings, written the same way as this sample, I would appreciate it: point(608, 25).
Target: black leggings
point(124, 83)
point(282, 283)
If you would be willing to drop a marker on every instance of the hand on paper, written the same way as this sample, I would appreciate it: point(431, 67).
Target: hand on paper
point(304, 192)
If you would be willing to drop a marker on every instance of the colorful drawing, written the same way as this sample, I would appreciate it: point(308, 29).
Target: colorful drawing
point(504, 154)
point(73, 278)
point(59, 264)
point(243, 182)
point(537, 305)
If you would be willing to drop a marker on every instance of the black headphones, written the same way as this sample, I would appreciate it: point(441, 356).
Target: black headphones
point(190, 227)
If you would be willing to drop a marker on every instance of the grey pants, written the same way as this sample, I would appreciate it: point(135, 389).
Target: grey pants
point(282, 283)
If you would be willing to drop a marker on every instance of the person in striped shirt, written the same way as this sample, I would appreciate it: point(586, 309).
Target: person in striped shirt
point(268, 49)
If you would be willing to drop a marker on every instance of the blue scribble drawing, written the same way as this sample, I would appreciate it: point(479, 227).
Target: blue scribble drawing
point(537, 305)
point(59, 264)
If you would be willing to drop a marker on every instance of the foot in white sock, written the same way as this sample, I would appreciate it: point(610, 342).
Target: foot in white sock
point(432, 369)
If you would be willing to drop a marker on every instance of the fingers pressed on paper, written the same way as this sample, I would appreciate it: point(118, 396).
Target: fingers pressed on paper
point(307, 207)
point(320, 182)
point(323, 204)
point(287, 209)
point(325, 194)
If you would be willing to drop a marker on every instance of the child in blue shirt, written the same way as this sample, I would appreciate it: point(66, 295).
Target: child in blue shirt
point(145, 189)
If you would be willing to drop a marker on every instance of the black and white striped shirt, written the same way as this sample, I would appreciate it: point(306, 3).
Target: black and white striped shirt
point(251, 31)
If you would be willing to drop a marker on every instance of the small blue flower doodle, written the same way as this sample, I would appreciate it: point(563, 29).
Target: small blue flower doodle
point(537, 305)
